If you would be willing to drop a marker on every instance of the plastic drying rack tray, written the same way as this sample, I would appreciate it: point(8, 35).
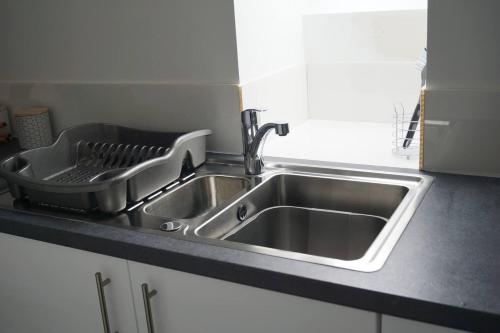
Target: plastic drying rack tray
point(102, 166)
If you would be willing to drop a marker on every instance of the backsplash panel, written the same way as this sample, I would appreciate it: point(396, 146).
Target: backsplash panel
point(462, 132)
point(153, 106)
point(284, 94)
point(363, 92)
point(359, 64)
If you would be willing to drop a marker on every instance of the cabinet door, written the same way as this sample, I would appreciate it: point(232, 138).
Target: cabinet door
point(397, 325)
point(196, 304)
point(46, 288)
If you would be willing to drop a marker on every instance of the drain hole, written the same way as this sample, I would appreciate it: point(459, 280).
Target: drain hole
point(170, 226)
point(242, 212)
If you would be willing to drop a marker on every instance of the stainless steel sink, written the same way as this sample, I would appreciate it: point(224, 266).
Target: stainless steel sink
point(339, 217)
point(188, 204)
point(316, 213)
point(318, 192)
point(320, 213)
point(197, 197)
point(318, 232)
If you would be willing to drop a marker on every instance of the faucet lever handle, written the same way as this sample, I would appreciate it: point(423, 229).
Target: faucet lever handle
point(252, 115)
point(254, 110)
point(249, 117)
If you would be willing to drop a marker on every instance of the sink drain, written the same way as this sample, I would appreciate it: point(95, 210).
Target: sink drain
point(170, 226)
point(242, 212)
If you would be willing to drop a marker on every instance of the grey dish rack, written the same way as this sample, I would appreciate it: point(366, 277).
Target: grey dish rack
point(102, 167)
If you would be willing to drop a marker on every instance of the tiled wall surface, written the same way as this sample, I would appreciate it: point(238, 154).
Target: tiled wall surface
point(362, 92)
point(462, 104)
point(124, 41)
point(349, 6)
point(271, 58)
point(269, 36)
point(153, 106)
point(284, 94)
point(166, 65)
point(462, 132)
point(360, 64)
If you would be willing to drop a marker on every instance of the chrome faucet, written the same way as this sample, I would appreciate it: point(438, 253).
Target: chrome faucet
point(254, 137)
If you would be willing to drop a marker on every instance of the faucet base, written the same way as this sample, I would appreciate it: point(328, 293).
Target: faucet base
point(253, 166)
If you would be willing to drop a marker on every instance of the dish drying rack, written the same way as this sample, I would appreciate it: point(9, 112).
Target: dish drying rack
point(402, 121)
point(102, 166)
point(99, 160)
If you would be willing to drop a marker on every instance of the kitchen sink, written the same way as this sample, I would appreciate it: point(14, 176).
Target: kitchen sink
point(319, 232)
point(186, 204)
point(340, 217)
point(344, 218)
point(316, 212)
point(197, 197)
point(292, 190)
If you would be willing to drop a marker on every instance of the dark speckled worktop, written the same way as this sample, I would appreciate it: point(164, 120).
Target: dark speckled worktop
point(444, 270)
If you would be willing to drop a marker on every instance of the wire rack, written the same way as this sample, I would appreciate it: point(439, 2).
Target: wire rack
point(403, 125)
point(95, 158)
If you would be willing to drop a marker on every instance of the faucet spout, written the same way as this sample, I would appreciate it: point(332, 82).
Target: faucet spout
point(254, 139)
point(261, 135)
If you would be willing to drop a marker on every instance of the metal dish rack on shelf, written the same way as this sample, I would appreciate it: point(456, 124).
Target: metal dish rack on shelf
point(401, 126)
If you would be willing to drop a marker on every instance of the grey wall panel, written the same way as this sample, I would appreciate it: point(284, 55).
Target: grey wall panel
point(463, 44)
point(462, 132)
point(150, 106)
point(110, 40)
point(158, 64)
point(462, 106)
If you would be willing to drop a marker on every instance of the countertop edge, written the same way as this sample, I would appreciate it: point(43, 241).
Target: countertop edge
point(21, 224)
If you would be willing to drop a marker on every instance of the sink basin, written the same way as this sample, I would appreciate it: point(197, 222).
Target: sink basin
point(343, 218)
point(318, 232)
point(186, 205)
point(338, 195)
point(197, 197)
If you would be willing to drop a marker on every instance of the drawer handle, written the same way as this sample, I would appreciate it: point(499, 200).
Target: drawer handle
point(146, 296)
point(102, 300)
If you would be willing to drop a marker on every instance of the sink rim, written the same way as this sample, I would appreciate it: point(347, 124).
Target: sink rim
point(380, 249)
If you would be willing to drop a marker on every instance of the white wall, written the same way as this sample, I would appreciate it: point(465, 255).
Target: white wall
point(162, 64)
point(283, 95)
point(271, 59)
point(462, 105)
point(360, 64)
point(269, 35)
point(348, 6)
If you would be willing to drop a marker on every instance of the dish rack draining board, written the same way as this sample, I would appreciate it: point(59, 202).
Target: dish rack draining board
point(102, 166)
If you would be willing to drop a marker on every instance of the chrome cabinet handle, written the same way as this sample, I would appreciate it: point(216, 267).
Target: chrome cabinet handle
point(102, 300)
point(146, 296)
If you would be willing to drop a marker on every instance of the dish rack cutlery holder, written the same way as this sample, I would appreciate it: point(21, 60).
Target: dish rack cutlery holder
point(102, 166)
point(402, 124)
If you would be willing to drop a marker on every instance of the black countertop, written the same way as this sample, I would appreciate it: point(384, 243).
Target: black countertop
point(444, 269)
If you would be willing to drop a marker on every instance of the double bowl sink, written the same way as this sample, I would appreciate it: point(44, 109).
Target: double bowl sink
point(340, 217)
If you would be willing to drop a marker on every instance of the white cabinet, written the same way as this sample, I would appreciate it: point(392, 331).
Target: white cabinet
point(397, 325)
point(47, 288)
point(191, 303)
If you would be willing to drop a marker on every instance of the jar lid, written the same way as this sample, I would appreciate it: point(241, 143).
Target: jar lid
point(30, 111)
